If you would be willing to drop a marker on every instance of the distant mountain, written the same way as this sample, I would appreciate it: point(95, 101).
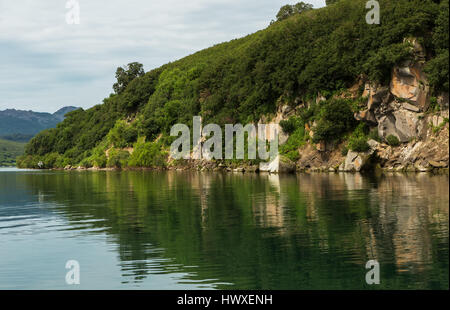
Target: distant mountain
point(63, 111)
point(18, 125)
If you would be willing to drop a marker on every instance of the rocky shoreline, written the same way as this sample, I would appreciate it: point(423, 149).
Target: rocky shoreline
point(213, 166)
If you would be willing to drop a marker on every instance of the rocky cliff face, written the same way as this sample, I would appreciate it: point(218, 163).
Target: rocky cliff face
point(401, 109)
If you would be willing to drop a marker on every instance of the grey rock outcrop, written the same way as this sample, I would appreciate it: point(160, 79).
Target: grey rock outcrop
point(358, 161)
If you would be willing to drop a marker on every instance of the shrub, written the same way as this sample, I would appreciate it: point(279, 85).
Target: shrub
point(434, 105)
point(336, 118)
point(99, 160)
point(392, 140)
point(117, 159)
point(291, 124)
point(358, 144)
point(295, 141)
point(122, 135)
point(147, 154)
point(358, 139)
point(50, 160)
point(27, 161)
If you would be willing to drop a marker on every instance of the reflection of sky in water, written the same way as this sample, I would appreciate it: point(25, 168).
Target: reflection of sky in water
point(193, 231)
point(36, 243)
point(34, 252)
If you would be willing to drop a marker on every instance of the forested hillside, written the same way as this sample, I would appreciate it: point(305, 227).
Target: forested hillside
point(9, 150)
point(308, 54)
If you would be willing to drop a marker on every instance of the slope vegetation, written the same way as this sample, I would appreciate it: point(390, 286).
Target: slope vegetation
point(322, 51)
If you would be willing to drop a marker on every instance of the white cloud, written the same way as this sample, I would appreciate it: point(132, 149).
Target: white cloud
point(47, 64)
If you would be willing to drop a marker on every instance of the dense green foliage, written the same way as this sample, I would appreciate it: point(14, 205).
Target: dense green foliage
point(437, 68)
point(295, 141)
point(358, 139)
point(147, 155)
point(291, 124)
point(334, 119)
point(9, 150)
point(323, 50)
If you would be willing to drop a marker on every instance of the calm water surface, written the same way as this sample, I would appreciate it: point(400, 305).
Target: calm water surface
point(188, 230)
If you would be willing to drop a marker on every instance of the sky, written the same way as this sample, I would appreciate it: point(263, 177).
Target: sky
point(46, 63)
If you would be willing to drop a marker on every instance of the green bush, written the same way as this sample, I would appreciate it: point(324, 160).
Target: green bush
point(291, 124)
point(335, 119)
point(99, 160)
point(27, 161)
point(357, 141)
point(86, 163)
point(117, 159)
point(358, 144)
point(122, 135)
point(295, 141)
point(392, 140)
point(434, 105)
point(147, 154)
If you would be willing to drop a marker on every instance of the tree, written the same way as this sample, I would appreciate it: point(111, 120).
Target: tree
point(285, 12)
point(289, 10)
point(125, 75)
point(302, 7)
point(328, 2)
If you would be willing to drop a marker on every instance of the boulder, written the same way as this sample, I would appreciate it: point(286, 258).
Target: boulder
point(357, 161)
point(401, 123)
point(353, 162)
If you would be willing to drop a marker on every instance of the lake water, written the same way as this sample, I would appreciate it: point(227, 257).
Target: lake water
point(189, 230)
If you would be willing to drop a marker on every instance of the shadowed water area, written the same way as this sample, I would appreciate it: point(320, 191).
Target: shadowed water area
point(189, 230)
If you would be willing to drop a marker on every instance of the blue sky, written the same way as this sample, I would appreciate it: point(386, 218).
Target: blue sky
point(47, 64)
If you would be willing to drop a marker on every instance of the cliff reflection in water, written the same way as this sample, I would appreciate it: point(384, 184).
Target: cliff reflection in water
point(263, 231)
